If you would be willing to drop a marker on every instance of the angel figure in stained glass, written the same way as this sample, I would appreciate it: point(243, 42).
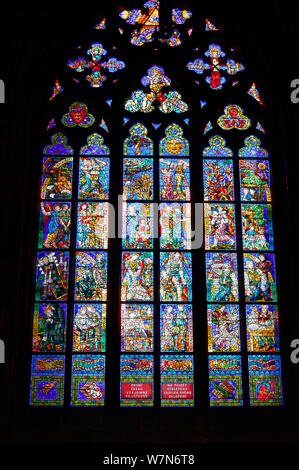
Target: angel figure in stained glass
point(156, 80)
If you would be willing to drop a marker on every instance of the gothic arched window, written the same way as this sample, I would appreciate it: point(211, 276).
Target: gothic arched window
point(167, 292)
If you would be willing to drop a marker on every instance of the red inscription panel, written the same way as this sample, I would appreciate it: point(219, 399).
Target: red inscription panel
point(177, 390)
point(136, 390)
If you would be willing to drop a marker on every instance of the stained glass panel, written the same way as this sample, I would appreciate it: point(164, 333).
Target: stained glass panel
point(257, 227)
point(54, 225)
point(262, 328)
point(138, 179)
point(58, 146)
point(260, 277)
point(175, 226)
point(174, 179)
point(137, 276)
point(57, 174)
point(225, 380)
point(137, 226)
point(49, 327)
point(156, 80)
point(218, 180)
point(252, 148)
point(220, 231)
point(177, 380)
point(215, 67)
point(78, 116)
point(51, 276)
point(265, 380)
point(137, 327)
point(138, 143)
point(88, 380)
point(95, 146)
point(174, 144)
point(136, 380)
point(234, 118)
point(93, 178)
point(217, 148)
point(255, 181)
point(222, 277)
point(176, 328)
point(89, 328)
point(92, 225)
point(176, 277)
point(223, 328)
point(91, 275)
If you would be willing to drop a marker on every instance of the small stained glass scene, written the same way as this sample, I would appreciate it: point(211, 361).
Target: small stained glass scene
point(260, 277)
point(138, 183)
point(138, 143)
point(54, 225)
point(91, 275)
point(137, 276)
point(58, 146)
point(57, 176)
point(220, 232)
point(255, 181)
point(174, 179)
point(175, 226)
point(176, 277)
point(176, 328)
point(137, 327)
point(217, 148)
point(95, 146)
point(262, 328)
point(92, 225)
point(174, 144)
point(51, 276)
point(89, 328)
point(218, 179)
point(223, 328)
point(137, 225)
point(252, 148)
point(222, 277)
point(49, 327)
point(93, 178)
point(257, 227)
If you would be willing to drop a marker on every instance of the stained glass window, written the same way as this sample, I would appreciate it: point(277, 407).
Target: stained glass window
point(141, 159)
